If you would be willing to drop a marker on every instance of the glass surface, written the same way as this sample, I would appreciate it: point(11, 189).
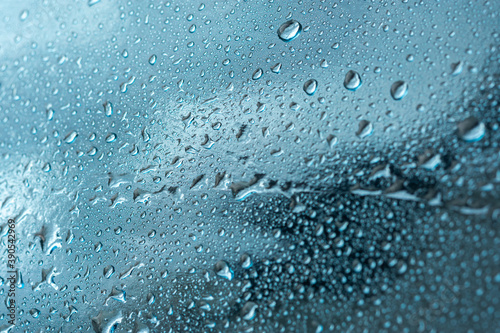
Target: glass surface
point(249, 166)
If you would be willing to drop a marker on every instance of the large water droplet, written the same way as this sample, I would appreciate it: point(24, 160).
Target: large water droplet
point(257, 74)
point(248, 310)
point(471, 130)
point(35, 312)
point(310, 87)
point(365, 129)
point(352, 80)
point(289, 30)
point(222, 269)
point(108, 271)
point(245, 261)
point(47, 167)
point(276, 68)
point(24, 15)
point(399, 90)
point(70, 138)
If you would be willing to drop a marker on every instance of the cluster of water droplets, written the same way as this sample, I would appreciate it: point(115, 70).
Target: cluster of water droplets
point(250, 166)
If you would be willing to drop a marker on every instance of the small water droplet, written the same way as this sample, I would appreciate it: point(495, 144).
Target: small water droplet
point(248, 310)
point(24, 15)
point(50, 113)
point(108, 109)
point(457, 68)
point(332, 140)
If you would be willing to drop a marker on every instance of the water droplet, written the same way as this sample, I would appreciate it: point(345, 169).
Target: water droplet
point(108, 109)
point(47, 167)
point(248, 310)
point(222, 269)
point(111, 137)
point(50, 114)
point(332, 140)
point(365, 129)
point(399, 89)
point(257, 74)
point(261, 107)
point(117, 295)
point(276, 68)
point(24, 15)
point(457, 68)
point(108, 271)
point(107, 321)
point(401, 267)
point(245, 261)
point(352, 80)
point(34, 313)
point(70, 138)
point(289, 30)
point(152, 59)
point(310, 87)
point(471, 130)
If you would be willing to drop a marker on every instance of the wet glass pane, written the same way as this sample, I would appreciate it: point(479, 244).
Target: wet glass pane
point(249, 166)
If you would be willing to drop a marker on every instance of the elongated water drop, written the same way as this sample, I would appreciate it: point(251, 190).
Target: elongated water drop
point(365, 129)
point(70, 138)
point(257, 74)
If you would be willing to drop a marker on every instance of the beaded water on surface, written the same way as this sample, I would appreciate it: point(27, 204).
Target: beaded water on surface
point(249, 166)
